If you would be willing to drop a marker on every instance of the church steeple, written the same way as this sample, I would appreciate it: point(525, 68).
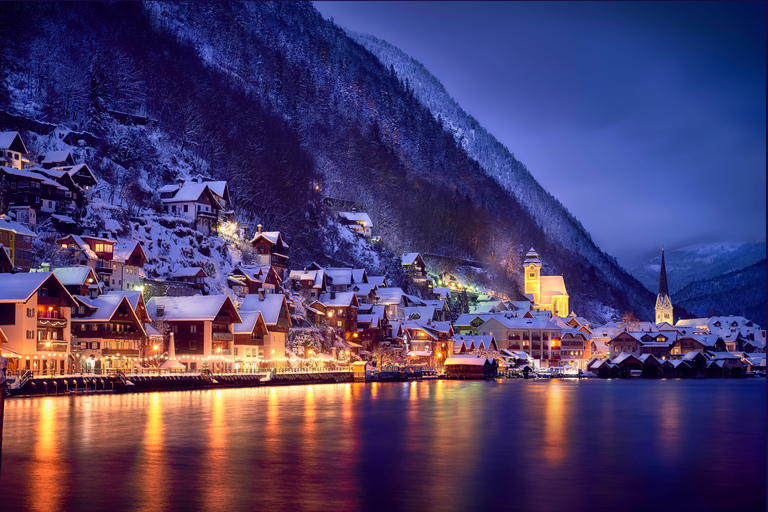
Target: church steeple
point(663, 288)
point(664, 310)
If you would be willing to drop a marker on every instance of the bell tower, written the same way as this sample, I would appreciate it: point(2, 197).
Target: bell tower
point(532, 269)
point(664, 311)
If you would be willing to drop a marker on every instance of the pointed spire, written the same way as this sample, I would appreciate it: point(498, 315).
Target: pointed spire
point(663, 288)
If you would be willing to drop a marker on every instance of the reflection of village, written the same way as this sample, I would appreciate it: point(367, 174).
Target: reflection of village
point(103, 316)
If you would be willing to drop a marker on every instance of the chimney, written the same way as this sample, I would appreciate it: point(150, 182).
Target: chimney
point(93, 290)
point(160, 311)
point(45, 266)
point(180, 182)
point(333, 294)
point(259, 228)
point(261, 294)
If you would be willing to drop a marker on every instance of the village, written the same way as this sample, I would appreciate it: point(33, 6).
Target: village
point(103, 316)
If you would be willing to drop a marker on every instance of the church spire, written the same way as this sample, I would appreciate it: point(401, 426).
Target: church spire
point(663, 288)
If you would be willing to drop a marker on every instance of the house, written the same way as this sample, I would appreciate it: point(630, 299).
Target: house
point(372, 326)
point(12, 150)
point(651, 365)
point(309, 283)
point(77, 280)
point(251, 279)
point(6, 265)
point(340, 311)
point(342, 279)
point(78, 179)
point(365, 292)
point(106, 333)
point(53, 159)
point(394, 300)
point(136, 300)
point(625, 342)
point(35, 317)
point(575, 348)
point(357, 222)
point(416, 269)
point(202, 326)
point(250, 336)
point(96, 252)
point(195, 201)
point(465, 344)
point(536, 336)
point(468, 323)
point(274, 310)
point(732, 364)
point(547, 292)
point(379, 281)
point(693, 343)
point(271, 250)
point(128, 262)
point(192, 275)
point(470, 367)
point(17, 240)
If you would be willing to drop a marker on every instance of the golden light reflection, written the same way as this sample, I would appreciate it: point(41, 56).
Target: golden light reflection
point(555, 427)
point(47, 476)
point(669, 441)
point(374, 390)
point(152, 462)
point(216, 496)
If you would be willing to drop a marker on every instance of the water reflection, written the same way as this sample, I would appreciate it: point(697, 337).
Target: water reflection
point(46, 475)
point(397, 446)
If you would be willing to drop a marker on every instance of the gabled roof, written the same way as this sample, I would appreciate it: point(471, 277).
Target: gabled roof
point(522, 323)
point(250, 320)
point(76, 276)
point(190, 272)
point(341, 299)
point(270, 307)
point(390, 295)
point(133, 296)
point(196, 307)
point(442, 291)
point(380, 281)
point(410, 258)
point(13, 226)
point(424, 312)
point(13, 142)
point(20, 287)
point(123, 249)
point(272, 237)
point(357, 217)
point(105, 307)
point(52, 157)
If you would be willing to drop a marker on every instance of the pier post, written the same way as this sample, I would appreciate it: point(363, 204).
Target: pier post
point(3, 366)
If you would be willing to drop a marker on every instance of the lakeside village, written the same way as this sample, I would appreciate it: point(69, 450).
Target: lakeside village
point(103, 322)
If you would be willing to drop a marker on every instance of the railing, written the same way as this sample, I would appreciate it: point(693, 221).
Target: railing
point(223, 336)
point(52, 346)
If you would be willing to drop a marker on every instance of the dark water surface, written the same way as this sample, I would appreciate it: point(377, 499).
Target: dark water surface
point(464, 446)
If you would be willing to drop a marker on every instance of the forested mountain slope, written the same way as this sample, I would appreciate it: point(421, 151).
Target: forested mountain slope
point(289, 109)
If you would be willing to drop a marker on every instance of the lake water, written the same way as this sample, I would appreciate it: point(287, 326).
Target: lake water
point(446, 446)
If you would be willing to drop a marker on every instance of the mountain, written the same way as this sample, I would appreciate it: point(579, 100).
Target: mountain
point(290, 110)
point(741, 292)
point(701, 262)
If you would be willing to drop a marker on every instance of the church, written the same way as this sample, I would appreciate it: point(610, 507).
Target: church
point(663, 302)
point(547, 292)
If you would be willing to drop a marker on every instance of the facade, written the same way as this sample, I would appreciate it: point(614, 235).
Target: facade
point(251, 279)
point(203, 202)
point(202, 326)
point(12, 150)
point(17, 240)
point(357, 222)
point(95, 252)
point(537, 337)
point(271, 250)
point(35, 311)
point(128, 263)
point(575, 348)
point(274, 310)
point(548, 293)
point(340, 311)
point(250, 338)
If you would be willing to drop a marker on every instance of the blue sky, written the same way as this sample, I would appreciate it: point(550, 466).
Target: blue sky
point(647, 120)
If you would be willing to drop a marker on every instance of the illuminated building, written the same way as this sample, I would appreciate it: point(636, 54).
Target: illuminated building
point(547, 292)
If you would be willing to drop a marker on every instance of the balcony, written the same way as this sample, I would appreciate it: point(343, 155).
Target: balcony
point(51, 319)
point(115, 335)
point(52, 346)
point(223, 336)
point(112, 352)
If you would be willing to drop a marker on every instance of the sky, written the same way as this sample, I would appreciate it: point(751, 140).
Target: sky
point(647, 120)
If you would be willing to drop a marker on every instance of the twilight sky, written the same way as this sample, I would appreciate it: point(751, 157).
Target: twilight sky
point(647, 120)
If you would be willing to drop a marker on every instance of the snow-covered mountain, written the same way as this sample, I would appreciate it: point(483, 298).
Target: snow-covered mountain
point(701, 262)
point(290, 110)
point(741, 292)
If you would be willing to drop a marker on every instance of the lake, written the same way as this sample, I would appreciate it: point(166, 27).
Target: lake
point(438, 445)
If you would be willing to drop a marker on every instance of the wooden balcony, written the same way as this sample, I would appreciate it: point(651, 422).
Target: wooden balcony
point(223, 336)
point(52, 346)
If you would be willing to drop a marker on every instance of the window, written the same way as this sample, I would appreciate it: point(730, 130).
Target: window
point(235, 350)
point(532, 274)
point(339, 323)
point(193, 345)
point(186, 208)
point(193, 329)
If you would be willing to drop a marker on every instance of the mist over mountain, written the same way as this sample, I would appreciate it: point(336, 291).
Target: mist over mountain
point(290, 110)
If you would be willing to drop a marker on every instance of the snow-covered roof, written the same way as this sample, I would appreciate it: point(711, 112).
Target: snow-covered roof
point(270, 306)
point(123, 249)
point(357, 217)
point(13, 226)
point(66, 219)
point(379, 281)
point(7, 139)
point(20, 287)
point(390, 295)
point(133, 296)
point(690, 356)
point(442, 291)
point(466, 360)
point(410, 258)
point(57, 156)
point(188, 193)
point(250, 318)
point(151, 331)
point(420, 353)
point(465, 319)
point(361, 289)
point(341, 299)
point(424, 312)
point(189, 272)
point(75, 276)
point(271, 236)
point(522, 323)
point(339, 276)
point(196, 307)
point(315, 276)
point(105, 307)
